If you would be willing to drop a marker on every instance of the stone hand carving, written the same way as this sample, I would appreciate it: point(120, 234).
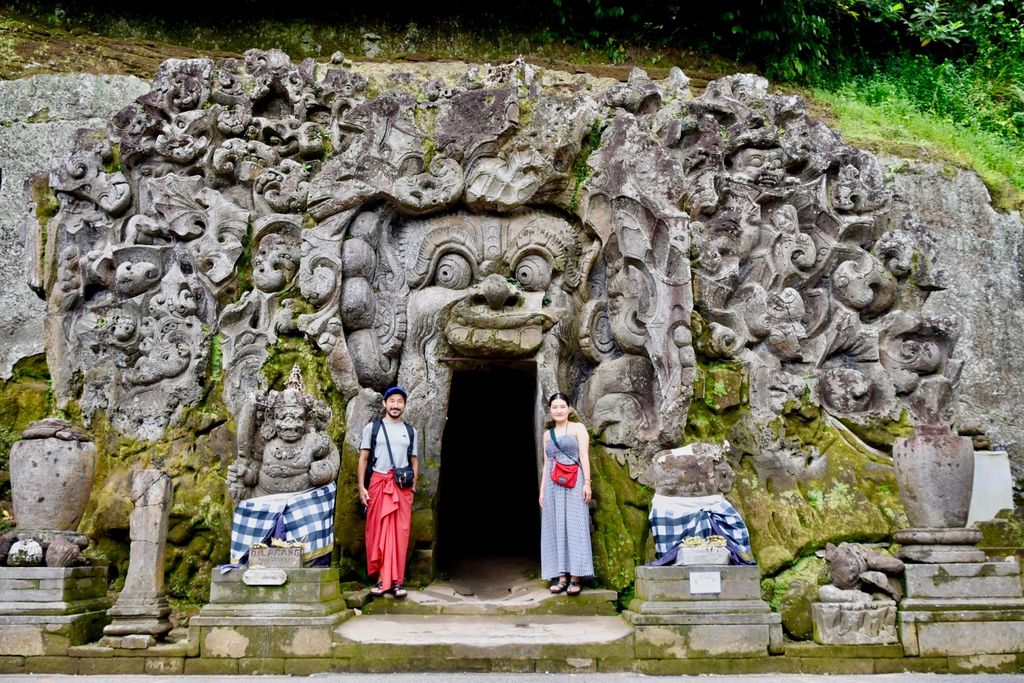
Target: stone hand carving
point(859, 606)
point(282, 447)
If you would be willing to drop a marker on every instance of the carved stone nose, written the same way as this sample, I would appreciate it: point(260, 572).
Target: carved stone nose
point(497, 293)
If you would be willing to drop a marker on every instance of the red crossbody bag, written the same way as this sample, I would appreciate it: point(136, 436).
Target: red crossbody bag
point(563, 475)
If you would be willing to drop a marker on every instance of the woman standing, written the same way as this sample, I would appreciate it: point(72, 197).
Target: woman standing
point(565, 554)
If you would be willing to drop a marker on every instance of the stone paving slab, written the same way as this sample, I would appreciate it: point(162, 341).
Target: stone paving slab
point(402, 629)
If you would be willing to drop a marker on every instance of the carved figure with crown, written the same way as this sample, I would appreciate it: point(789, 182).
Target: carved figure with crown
point(284, 479)
point(282, 447)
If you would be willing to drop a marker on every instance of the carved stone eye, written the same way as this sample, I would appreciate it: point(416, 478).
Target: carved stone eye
point(533, 273)
point(453, 271)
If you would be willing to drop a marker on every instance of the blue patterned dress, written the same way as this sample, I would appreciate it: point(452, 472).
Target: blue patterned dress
point(565, 519)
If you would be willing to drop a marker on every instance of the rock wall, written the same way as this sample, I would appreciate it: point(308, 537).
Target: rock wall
point(846, 480)
point(982, 253)
point(38, 119)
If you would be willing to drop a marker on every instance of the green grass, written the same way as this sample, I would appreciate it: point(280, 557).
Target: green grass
point(892, 125)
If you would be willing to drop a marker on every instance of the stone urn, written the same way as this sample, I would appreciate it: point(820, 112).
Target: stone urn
point(52, 469)
point(935, 473)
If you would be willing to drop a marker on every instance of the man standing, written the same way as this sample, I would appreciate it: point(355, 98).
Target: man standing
point(387, 445)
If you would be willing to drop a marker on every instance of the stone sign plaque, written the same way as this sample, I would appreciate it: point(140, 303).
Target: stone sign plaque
point(702, 583)
point(690, 556)
point(264, 577)
point(287, 558)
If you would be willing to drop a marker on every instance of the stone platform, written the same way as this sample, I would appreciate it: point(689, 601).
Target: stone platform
point(676, 614)
point(963, 609)
point(46, 610)
point(295, 619)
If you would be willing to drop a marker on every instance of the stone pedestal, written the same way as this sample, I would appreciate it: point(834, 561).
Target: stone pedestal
point(854, 623)
point(936, 546)
point(293, 619)
point(674, 618)
point(141, 612)
point(962, 609)
point(45, 610)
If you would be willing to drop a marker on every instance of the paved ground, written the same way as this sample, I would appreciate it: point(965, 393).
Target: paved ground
point(539, 678)
point(483, 631)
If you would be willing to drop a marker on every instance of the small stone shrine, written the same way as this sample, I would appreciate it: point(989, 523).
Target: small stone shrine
point(703, 607)
point(284, 482)
point(50, 598)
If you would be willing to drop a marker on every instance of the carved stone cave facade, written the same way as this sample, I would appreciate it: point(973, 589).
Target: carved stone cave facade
point(631, 239)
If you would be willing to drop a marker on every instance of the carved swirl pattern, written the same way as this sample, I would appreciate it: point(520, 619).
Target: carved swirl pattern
point(397, 222)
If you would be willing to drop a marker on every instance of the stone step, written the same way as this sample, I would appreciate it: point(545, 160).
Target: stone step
point(440, 599)
point(420, 637)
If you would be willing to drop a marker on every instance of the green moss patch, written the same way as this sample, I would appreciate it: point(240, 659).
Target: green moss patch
point(621, 532)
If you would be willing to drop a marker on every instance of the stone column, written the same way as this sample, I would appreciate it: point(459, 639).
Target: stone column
point(140, 615)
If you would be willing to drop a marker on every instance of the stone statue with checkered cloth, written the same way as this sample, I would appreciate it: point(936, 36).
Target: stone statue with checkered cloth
point(689, 504)
point(284, 479)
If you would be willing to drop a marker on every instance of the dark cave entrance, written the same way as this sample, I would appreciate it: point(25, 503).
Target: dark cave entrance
point(488, 519)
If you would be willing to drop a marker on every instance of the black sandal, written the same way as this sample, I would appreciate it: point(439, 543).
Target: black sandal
point(399, 590)
point(559, 587)
point(378, 589)
point(574, 588)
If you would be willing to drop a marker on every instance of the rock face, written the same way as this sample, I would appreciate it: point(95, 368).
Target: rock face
point(980, 251)
point(38, 119)
point(719, 263)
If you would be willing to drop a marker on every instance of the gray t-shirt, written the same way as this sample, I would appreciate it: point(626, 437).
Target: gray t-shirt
point(399, 438)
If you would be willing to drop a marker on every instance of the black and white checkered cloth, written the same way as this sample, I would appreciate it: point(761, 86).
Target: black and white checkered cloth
point(307, 517)
point(718, 519)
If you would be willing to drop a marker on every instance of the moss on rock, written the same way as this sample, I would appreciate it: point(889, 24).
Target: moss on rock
point(814, 483)
point(620, 512)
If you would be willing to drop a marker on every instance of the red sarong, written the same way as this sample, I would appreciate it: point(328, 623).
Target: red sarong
point(388, 521)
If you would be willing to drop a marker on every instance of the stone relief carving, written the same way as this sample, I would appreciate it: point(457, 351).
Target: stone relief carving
point(612, 236)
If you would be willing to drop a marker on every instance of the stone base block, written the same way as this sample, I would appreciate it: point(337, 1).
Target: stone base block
point(962, 632)
point(701, 610)
point(131, 642)
point(849, 623)
point(938, 536)
point(52, 590)
point(37, 635)
point(702, 641)
point(964, 580)
point(666, 584)
point(941, 554)
point(305, 593)
point(258, 637)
